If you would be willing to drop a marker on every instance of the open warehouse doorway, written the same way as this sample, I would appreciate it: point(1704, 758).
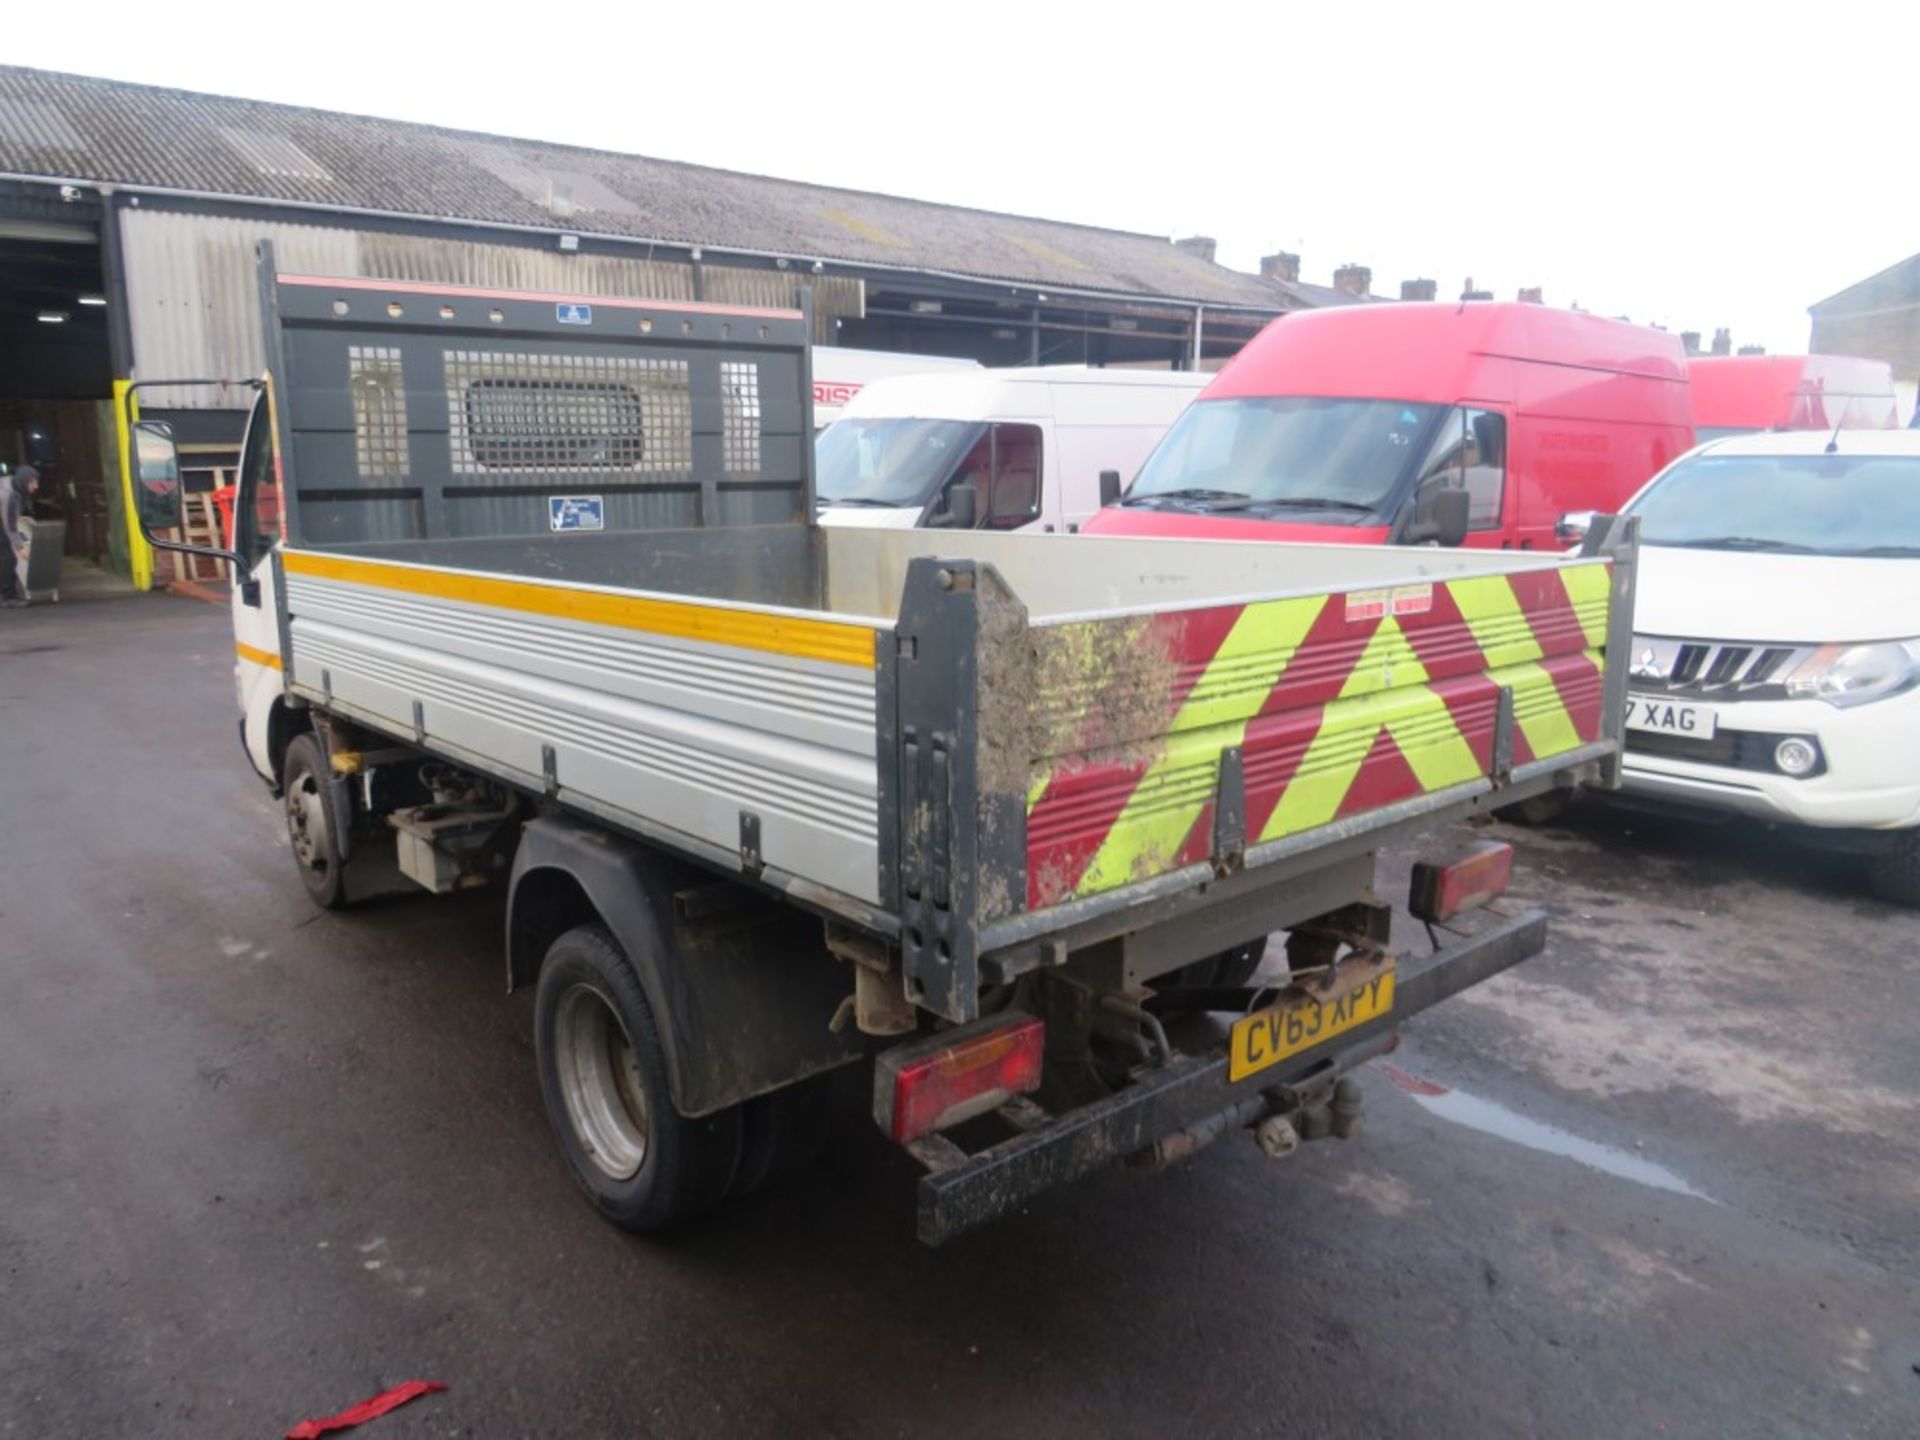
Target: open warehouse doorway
point(56, 370)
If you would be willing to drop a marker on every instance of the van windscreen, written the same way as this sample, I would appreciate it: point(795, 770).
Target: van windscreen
point(888, 462)
point(1838, 504)
point(1303, 452)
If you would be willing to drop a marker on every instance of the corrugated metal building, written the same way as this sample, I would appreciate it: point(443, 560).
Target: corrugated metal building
point(129, 217)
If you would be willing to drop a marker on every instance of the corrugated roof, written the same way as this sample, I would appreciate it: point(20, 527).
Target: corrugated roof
point(81, 128)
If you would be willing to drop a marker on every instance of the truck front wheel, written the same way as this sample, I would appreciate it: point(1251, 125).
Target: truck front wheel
point(303, 781)
point(604, 1075)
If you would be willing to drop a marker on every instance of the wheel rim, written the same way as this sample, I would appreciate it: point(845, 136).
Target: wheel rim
point(599, 1074)
point(307, 824)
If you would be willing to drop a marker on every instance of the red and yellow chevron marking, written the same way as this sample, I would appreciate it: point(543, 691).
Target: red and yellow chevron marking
point(1339, 704)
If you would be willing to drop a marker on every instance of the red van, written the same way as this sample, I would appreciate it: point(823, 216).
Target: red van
point(1738, 394)
point(1473, 423)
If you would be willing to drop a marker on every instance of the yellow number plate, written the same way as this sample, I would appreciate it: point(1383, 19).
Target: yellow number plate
point(1300, 1022)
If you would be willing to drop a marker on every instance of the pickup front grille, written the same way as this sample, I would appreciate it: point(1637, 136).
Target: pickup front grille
point(1713, 669)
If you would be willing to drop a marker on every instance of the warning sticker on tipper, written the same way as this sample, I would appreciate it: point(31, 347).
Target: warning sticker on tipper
point(1378, 604)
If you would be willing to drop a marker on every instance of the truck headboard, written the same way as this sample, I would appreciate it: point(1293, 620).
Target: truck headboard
point(418, 412)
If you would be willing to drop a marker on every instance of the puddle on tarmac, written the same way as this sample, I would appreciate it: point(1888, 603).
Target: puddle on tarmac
point(1489, 1118)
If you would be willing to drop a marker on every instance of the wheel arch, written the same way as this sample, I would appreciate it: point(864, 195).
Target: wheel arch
point(742, 987)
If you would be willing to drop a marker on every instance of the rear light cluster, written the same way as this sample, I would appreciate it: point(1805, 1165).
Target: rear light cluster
point(938, 1082)
point(1442, 889)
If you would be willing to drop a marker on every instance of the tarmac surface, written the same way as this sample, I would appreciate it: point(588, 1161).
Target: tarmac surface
point(258, 1162)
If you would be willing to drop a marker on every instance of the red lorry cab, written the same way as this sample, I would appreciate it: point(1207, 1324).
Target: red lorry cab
point(1346, 424)
point(1737, 394)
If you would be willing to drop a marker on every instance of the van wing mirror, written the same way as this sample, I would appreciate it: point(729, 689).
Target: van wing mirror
point(963, 506)
point(156, 483)
point(1109, 487)
point(1440, 517)
point(1572, 528)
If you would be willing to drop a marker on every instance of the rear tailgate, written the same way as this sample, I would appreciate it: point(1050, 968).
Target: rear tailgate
point(1327, 705)
point(1058, 774)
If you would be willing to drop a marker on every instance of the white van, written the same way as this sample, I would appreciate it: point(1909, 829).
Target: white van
point(840, 373)
point(994, 449)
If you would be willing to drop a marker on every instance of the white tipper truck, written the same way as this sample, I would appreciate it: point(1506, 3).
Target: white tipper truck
point(528, 594)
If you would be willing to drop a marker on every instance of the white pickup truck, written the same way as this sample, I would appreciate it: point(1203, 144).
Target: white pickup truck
point(528, 594)
point(1776, 669)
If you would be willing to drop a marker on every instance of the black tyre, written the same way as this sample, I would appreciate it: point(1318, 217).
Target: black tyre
point(604, 1075)
point(1228, 970)
point(1894, 872)
point(1537, 810)
point(782, 1134)
point(316, 851)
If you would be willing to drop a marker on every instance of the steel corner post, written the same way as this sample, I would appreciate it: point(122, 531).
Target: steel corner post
point(126, 409)
point(962, 757)
point(1617, 539)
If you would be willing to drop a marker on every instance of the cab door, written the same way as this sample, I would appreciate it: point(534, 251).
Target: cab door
point(257, 524)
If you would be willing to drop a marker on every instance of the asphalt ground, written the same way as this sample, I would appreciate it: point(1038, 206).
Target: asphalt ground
point(258, 1162)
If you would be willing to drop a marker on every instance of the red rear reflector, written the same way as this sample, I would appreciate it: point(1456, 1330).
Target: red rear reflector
point(1472, 877)
point(933, 1083)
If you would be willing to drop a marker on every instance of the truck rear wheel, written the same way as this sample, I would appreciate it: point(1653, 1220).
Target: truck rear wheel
point(303, 780)
point(783, 1133)
point(1228, 970)
point(1537, 810)
point(604, 1076)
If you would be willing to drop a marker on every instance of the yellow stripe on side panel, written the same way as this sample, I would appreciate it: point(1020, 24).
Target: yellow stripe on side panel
point(1590, 590)
point(1146, 836)
point(793, 635)
point(258, 657)
point(1494, 614)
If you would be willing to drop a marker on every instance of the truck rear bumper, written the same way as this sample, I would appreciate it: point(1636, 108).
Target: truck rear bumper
point(961, 1191)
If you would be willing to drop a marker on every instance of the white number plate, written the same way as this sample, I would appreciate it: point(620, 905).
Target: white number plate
point(1670, 717)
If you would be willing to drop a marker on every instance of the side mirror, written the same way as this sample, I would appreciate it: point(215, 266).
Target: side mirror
point(1572, 527)
point(1109, 487)
point(1440, 516)
point(156, 477)
point(963, 506)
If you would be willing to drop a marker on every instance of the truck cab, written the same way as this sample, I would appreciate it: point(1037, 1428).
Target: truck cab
point(1018, 449)
point(1362, 425)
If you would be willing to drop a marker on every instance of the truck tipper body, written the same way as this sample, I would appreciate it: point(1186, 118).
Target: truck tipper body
point(528, 594)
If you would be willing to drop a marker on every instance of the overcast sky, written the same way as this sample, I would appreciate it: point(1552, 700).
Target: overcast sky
point(1687, 164)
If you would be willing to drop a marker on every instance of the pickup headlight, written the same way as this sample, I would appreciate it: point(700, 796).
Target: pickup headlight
point(1845, 675)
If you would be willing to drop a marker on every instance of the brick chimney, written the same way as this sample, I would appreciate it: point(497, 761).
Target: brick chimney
point(1419, 289)
point(1723, 342)
point(1467, 292)
point(1355, 280)
point(1690, 341)
point(1530, 295)
point(1751, 350)
point(1201, 246)
point(1283, 265)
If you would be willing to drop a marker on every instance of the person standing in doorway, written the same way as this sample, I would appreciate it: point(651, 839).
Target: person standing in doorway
point(16, 493)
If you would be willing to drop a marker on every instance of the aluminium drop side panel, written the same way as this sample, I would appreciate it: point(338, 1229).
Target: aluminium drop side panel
point(686, 715)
